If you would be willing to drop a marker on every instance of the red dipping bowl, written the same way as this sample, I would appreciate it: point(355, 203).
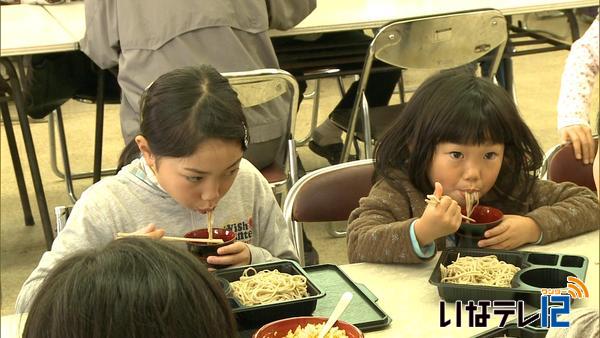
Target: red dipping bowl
point(203, 250)
point(470, 233)
point(281, 327)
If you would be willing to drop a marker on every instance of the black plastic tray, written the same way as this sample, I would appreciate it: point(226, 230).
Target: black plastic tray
point(538, 270)
point(257, 315)
point(363, 312)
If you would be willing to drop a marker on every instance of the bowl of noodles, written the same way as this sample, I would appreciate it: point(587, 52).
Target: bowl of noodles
point(265, 292)
point(203, 250)
point(485, 218)
point(306, 327)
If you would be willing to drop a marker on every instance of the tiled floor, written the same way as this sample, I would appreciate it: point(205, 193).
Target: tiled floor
point(537, 79)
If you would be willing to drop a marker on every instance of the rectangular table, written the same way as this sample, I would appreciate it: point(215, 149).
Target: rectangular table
point(29, 29)
point(331, 16)
point(413, 304)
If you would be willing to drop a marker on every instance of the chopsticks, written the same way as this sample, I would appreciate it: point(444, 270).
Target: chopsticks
point(433, 200)
point(171, 238)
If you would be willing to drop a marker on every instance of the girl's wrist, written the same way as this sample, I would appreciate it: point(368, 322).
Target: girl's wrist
point(535, 231)
point(423, 234)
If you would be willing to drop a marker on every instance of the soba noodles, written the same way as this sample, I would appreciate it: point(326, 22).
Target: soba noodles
point(266, 286)
point(486, 270)
point(471, 201)
point(312, 331)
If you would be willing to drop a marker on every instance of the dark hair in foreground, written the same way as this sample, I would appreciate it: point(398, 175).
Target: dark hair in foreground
point(458, 107)
point(183, 108)
point(131, 288)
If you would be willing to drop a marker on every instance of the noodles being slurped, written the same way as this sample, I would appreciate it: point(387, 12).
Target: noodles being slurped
point(471, 201)
point(266, 286)
point(487, 270)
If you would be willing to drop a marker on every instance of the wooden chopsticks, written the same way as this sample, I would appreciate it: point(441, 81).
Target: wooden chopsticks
point(171, 238)
point(433, 200)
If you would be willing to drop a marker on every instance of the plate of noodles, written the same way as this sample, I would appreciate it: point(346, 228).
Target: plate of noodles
point(262, 293)
point(306, 327)
point(486, 274)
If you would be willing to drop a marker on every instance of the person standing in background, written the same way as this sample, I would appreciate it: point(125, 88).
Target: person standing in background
point(578, 79)
point(146, 39)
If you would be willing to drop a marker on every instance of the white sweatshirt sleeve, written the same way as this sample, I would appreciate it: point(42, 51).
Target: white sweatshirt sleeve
point(82, 231)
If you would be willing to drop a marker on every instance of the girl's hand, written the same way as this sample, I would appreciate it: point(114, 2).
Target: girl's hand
point(513, 232)
point(236, 253)
point(438, 220)
point(583, 142)
point(151, 231)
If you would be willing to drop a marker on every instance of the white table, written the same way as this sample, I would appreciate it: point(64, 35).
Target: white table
point(407, 297)
point(29, 29)
point(71, 16)
point(331, 15)
point(413, 304)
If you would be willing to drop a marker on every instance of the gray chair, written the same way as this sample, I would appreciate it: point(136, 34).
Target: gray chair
point(326, 195)
point(435, 42)
point(262, 87)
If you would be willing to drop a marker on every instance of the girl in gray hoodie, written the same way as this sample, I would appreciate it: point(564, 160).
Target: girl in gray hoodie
point(186, 161)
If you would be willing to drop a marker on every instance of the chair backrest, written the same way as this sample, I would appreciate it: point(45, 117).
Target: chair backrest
point(435, 42)
point(272, 89)
point(327, 194)
point(442, 41)
point(560, 165)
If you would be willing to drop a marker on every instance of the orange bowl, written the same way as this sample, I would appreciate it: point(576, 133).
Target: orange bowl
point(280, 328)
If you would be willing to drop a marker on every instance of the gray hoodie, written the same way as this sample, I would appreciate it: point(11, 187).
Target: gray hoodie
point(132, 199)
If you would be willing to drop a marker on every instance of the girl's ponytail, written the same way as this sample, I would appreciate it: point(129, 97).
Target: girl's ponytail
point(129, 153)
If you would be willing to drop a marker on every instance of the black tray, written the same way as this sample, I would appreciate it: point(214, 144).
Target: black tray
point(257, 315)
point(363, 312)
point(538, 270)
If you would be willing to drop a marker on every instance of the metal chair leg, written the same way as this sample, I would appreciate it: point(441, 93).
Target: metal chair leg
point(17, 96)
point(333, 232)
point(97, 171)
point(65, 154)
point(314, 115)
point(316, 95)
point(53, 156)
point(14, 155)
point(99, 126)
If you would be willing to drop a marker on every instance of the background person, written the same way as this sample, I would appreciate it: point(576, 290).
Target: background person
point(145, 39)
point(577, 85)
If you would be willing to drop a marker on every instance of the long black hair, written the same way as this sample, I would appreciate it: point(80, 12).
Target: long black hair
point(458, 107)
point(133, 287)
point(183, 108)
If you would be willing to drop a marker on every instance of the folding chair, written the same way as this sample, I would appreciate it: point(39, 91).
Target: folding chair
point(104, 92)
point(326, 195)
point(560, 165)
point(432, 42)
point(258, 87)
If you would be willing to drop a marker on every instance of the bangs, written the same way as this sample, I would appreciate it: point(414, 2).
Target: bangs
point(473, 120)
